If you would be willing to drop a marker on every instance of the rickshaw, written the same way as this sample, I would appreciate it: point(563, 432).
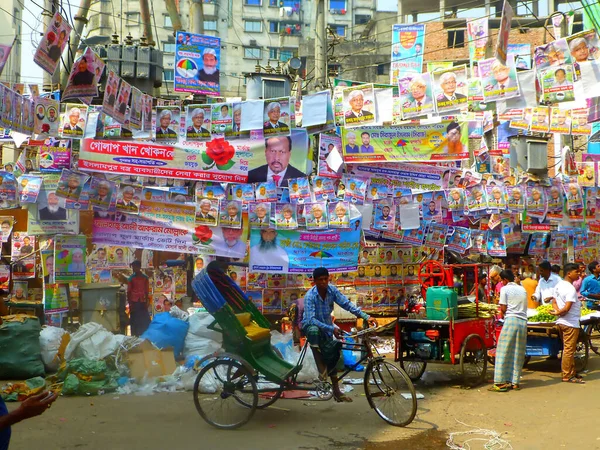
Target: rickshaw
point(249, 374)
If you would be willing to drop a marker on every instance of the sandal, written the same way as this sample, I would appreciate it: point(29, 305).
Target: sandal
point(498, 388)
point(515, 387)
point(574, 380)
point(341, 398)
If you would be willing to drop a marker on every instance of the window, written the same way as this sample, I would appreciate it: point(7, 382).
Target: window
point(168, 75)
point(577, 27)
point(383, 69)
point(285, 55)
point(253, 2)
point(340, 30)
point(456, 38)
point(210, 25)
point(168, 47)
point(337, 4)
point(252, 53)
point(252, 26)
point(167, 22)
point(283, 3)
point(273, 27)
point(273, 53)
point(132, 19)
point(334, 69)
point(361, 19)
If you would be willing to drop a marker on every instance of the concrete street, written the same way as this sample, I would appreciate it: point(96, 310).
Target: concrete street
point(545, 414)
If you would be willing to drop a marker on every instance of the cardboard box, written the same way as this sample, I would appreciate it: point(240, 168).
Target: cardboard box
point(146, 361)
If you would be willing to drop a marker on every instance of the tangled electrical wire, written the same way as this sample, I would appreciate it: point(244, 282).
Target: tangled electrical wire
point(492, 439)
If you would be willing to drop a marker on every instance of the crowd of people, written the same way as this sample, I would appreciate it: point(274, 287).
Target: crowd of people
point(566, 290)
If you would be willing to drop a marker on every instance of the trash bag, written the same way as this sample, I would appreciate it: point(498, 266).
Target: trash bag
point(352, 358)
point(17, 392)
point(20, 353)
point(166, 331)
point(200, 341)
point(73, 385)
point(93, 341)
point(50, 339)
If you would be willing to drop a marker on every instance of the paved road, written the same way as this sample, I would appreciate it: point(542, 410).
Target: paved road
point(546, 414)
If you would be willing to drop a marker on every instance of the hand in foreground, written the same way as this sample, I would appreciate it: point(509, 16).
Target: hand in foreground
point(36, 405)
point(372, 322)
point(337, 331)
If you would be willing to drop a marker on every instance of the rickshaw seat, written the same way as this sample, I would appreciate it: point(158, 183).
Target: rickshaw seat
point(254, 332)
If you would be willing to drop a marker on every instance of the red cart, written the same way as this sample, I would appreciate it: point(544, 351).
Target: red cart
point(461, 342)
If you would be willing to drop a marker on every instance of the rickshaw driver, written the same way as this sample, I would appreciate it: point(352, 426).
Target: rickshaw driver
point(320, 331)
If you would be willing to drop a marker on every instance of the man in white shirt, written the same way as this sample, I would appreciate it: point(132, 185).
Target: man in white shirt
point(546, 284)
point(567, 308)
point(234, 246)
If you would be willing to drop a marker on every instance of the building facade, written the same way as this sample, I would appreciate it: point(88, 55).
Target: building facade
point(11, 27)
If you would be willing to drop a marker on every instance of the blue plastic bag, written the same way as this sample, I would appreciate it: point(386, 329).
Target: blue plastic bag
point(352, 358)
point(167, 331)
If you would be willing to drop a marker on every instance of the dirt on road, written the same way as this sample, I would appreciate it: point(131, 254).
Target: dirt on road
point(545, 414)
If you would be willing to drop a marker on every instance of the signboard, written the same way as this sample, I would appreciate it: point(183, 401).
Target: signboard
point(408, 46)
point(197, 62)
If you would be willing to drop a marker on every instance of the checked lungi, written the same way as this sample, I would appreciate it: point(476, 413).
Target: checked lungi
point(329, 347)
point(510, 351)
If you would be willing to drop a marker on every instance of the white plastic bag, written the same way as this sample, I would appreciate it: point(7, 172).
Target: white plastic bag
point(201, 341)
point(93, 341)
point(50, 339)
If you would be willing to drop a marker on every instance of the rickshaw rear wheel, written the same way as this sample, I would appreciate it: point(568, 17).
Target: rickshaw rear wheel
point(473, 360)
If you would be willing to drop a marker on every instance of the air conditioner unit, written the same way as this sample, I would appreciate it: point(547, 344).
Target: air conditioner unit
point(253, 43)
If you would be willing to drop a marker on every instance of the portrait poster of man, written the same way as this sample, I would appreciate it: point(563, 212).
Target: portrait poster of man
point(197, 63)
point(557, 84)
point(101, 193)
point(73, 120)
point(416, 95)
point(384, 215)
point(359, 105)
point(122, 103)
point(129, 198)
point(167, 123)
point(6, 226)
point(110, 94)
point(231, 214)
point(207, 211)
point(560, 120)
point(46, 119)
point(315, 215)
point(55, 39)
point(339, 214)
point(285, 158)
point(539, 119)
point(277, 117)
point(222, 119)
point(286, 216)
point(450, 88)
point(51, 207)
point(260, 214)
point(499, 81)
point(85, 74)
point(71, 184)
point(198, 123)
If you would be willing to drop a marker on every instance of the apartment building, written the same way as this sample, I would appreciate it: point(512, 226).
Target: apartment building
point(11, 29)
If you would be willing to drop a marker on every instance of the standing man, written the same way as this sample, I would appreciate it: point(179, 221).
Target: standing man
point(590, 287)
point(530, 286)
point(544, 292)
point(510, 353)
point(496, 283)
point(138, 290)
point(567, 308)
point(319, 329)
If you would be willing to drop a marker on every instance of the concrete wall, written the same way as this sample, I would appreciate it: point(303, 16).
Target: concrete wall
point(11, 27)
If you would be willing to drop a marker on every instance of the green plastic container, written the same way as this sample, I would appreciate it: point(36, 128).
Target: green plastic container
point(442, 303)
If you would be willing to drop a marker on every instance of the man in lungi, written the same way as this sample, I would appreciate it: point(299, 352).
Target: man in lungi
point(321, 332)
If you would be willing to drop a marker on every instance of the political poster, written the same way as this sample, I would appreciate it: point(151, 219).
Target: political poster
point(477, 34)
point(408, 46)
point(84, 76)
point(444, 141)
point(197, 63)
point(299, 251)
point(416, 177)
point(503, 32)
point(50, 49)
point(46, 119)
point(4, 54)
point(69, 258)
point(522, 55)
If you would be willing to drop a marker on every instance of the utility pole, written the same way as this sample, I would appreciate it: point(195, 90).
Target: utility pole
point(400, 17)
point(197, 16)
point(320, 47)
point(174, 15)
point(80, 20)
point(47, 17)
point(145, 15)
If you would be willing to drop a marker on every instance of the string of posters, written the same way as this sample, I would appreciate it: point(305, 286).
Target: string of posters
point(367, 180)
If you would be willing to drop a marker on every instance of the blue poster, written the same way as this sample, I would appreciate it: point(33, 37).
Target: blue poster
point(408, 46)
point(300, 251)
point(197, 62)
point(522, 54)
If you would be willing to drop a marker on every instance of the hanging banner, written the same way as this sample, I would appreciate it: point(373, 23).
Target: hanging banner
point(55, 298)
point(417, 177)
point(197, 62)
point(444, 141)
point(477, 34)
point(522, 55)
point(170, 227)
point(217, 160)
point(48, 53)
point(69, 258)
point(503, 32)
point(408, 45)
point(300, 251)
point(4, 54)
point(84, 77)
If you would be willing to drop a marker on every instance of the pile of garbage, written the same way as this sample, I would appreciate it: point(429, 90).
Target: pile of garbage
point(94, 361)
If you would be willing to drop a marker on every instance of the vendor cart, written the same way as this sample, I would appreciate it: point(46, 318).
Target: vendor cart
point(461, 342)
point(543, 340)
